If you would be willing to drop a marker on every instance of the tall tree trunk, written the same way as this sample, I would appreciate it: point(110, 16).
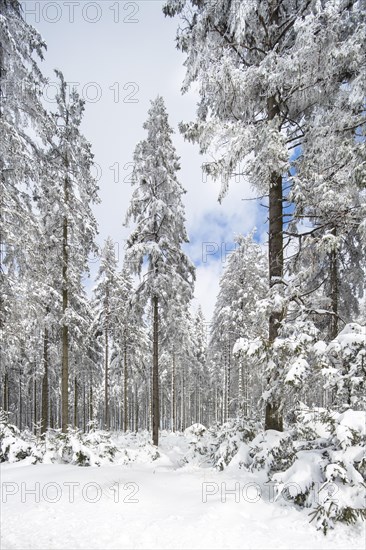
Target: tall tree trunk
point(182, 402)
point(6, 393)
point(20, 408)
point(35, 404)
point(125, 390)
point(173, 413)
point(136, 409)
point(216, 406)
point(52, 420)
point(75, 402)
point(106, 393)
point(84, 408)
point(333, 268)
point(150, 400)
point(91, 412)
point(273, 416)
point(225, 386)
point(241, 407)
point(65, 328)
point(45, 396)
point(155, 403)
point(228, 381)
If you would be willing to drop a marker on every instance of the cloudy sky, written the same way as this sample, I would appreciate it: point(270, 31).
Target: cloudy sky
point(120, 55)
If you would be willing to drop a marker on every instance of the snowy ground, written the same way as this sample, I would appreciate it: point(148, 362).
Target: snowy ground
point(169, 511)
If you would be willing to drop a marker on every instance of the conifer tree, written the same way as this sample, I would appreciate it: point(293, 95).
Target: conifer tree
point(154, 245)
point(263, 69)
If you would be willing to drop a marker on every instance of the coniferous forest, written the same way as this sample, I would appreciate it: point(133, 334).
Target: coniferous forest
point(115, 365)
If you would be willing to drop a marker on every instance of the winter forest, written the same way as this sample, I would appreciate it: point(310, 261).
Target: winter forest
point(240, 427)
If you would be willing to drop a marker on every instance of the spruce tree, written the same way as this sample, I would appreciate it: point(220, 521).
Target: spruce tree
point(154, 246)
point(263, 68)
point(68, 192)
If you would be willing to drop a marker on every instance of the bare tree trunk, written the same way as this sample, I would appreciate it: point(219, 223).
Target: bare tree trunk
point(35, 404)
point(84, 408)
point(52, 421)
point(333, 332)
point(155, 403)
point(121, 407)
point(136, 409)
point(150, 401)
point(20, 402)
point(91, 412)
point(174, 419)
point(240, 387)
point(216, 406)
point(6, 393)
point(228, 381)
point(106, 392)
point(125, 390)
point(225, 386)
point(65, 328)
point(45, 396)
point(273, 417)
point(75, 402)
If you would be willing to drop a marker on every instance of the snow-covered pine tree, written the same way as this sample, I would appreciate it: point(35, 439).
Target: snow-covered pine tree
point(201, 382)
point(106, 292)
point(21, 118)
point(262, 68)
point(237, 316)
point(155, 242)
point(329, 192)
point(69, 190)
point(125, 343)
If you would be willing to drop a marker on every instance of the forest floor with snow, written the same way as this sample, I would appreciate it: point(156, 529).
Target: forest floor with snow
point(161, 503)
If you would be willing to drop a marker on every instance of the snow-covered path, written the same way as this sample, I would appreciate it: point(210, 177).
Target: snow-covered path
point(170, 512)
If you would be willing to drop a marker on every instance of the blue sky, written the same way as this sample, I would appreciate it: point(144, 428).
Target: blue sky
point(121, 55)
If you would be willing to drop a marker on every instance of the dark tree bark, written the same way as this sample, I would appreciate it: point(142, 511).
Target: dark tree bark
point(273, 417)
point(6, 393)
point(136, 409)
point(75, 402)
point(174, 405)
point(84, 408)
point(106, 392)
point(65, 328)
point(334, 291)
point(52, 420)
point(20, 401)
point(125, 390)
point(91, 400)
point(45, 394)
point(35, 405)
point(155, 392)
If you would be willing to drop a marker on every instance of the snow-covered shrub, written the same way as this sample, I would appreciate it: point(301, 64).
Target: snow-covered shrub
point(75, 447)
point(101, 444)
point(218, 445)
point(133, 447)
point(13, 445)
point(271, 451)
point(228, 438)
point(344, 366)
point(199, 444)
point(327, 473)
